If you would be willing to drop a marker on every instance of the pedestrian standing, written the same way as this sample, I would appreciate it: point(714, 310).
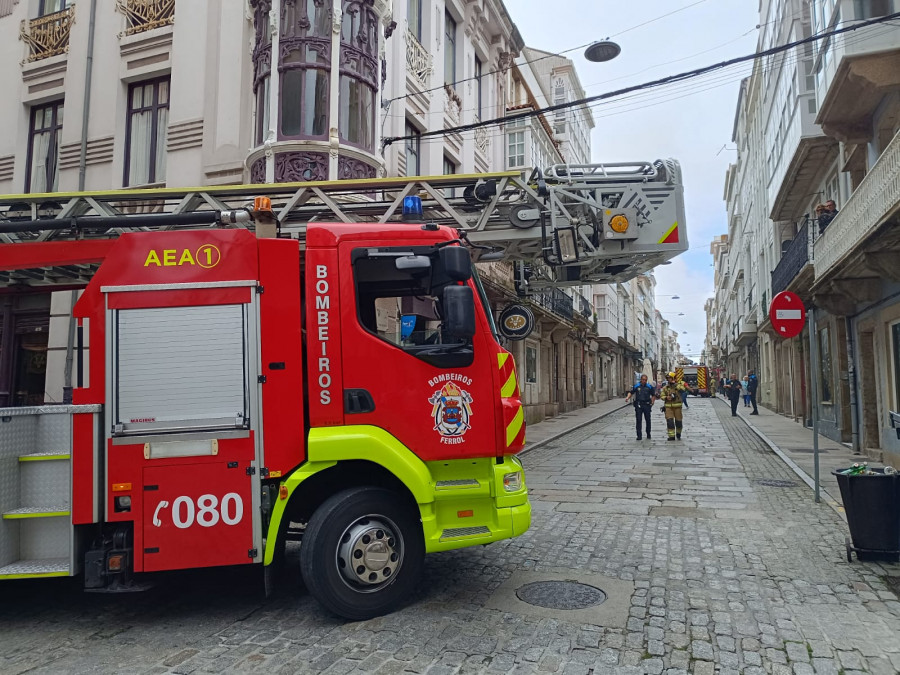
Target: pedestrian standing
point(752, 386)
point(684, 393)
point(644, 395)
point(746, 394)
point(671, 397)
point(733, 388)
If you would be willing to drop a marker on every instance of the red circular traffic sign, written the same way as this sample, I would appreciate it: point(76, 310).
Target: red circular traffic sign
point(787, 314)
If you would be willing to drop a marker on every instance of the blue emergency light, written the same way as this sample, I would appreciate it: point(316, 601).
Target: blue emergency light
point(412, 210)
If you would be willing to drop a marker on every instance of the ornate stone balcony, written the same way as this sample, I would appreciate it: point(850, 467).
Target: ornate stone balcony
point(146, 14)
point(869, 208)
point(48, 35)
point(418, 61)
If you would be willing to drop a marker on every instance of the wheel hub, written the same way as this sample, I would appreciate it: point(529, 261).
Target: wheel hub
point(370, 552)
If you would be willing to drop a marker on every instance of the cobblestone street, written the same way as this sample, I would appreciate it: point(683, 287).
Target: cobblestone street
point(708, 570)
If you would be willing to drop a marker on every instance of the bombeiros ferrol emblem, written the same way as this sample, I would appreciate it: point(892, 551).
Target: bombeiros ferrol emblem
point(516, 322)
point(451, 409)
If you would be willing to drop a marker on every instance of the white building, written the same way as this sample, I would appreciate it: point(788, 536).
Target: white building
point(818, 123)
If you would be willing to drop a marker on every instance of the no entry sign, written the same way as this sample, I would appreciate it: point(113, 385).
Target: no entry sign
point(787, 314)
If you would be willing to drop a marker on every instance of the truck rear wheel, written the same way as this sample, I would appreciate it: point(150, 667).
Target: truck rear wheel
point(362, 552)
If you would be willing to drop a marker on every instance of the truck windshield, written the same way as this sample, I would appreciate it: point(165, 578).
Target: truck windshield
point(484, 302)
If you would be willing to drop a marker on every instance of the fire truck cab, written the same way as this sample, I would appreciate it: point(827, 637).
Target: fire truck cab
point(236, 392)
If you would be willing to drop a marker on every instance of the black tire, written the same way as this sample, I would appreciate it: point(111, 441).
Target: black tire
point(337, 532)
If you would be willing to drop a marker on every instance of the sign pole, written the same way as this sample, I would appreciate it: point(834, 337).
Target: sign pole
point(814, 392)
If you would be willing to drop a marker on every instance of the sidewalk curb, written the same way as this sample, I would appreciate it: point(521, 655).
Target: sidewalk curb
point(578, 426)
point(792, 465)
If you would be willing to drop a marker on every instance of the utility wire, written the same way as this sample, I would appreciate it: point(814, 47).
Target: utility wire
point(687, 75)
point(643, 100)
point(540, 58)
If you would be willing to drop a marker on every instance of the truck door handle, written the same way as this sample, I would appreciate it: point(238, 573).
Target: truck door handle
point(358, 401)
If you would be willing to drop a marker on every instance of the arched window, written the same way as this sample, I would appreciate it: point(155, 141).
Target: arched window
point(358, 73)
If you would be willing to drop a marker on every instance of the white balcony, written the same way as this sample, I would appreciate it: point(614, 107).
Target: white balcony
point(868, 210)
point(746, 331)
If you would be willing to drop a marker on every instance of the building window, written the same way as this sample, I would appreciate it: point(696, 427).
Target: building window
point(559, 117)
point(413, 147)
point(449, 169)
point(826, 394)
point(414, 18)
point(148, 120)
point(359, 74)
point(600, 307)
point(869, 9)
point(449, 49)
point(530, 364)
point(304, 64)
point(52, 6)
point(479, 92)
point(43, 148)
point(895, 346)
point(262, 58)
point(516, 145)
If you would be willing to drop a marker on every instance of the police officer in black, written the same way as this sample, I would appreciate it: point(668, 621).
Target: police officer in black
point(752, 386)
point(644, 396)
point(733, 390)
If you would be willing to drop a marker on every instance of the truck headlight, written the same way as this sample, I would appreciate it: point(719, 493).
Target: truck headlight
point(512, 482)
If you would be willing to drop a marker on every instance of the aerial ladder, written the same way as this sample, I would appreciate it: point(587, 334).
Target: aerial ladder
point(561, 226)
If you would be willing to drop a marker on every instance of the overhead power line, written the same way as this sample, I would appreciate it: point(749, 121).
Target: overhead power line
point(541, 58)
point(679, 77)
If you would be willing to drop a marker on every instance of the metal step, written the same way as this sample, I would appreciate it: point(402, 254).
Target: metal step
point(50, 567)
point(457, 532)
point(37, 512)
point(43, 457)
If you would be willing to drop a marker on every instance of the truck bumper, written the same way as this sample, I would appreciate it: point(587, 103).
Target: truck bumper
point(471, 515)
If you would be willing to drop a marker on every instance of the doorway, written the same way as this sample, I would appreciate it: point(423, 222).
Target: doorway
point(868, 392)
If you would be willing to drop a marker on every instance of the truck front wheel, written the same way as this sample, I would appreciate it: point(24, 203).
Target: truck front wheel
point(362, 552)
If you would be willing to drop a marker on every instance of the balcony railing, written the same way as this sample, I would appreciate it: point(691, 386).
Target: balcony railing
point(146, 14)
point(794, 259)
point(556, 301)
point(418, 60)
point(876, 197)
point(48, 35)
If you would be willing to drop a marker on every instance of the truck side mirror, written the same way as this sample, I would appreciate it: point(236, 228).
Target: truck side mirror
point(456, 263)
point(459, 311)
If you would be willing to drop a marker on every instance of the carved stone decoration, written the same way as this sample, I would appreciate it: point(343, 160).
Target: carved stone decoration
point(258, 171)
point(293, 167)
point(350, 168)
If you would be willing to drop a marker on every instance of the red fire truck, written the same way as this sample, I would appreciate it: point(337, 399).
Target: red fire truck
point(234, 391)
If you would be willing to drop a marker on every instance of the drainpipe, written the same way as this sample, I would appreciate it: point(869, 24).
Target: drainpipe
point(851, 385)
point(86, 109)
point(82, 176)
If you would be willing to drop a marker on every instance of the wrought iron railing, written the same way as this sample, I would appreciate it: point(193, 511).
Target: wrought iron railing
point(146, 14)
point(48, 35)
point(482, 140)
point(418, 61)
point(556, 301)
point(876, 197)
point(794, 259)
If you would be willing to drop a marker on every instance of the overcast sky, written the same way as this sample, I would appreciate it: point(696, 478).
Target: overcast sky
point(690, 122)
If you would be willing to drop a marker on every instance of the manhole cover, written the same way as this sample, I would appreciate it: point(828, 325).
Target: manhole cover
point(560, 595)
point(775, 482)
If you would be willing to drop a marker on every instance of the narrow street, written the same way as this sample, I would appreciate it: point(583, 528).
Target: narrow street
point(711, 552)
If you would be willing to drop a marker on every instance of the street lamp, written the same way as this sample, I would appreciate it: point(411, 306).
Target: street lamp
point(601, 51)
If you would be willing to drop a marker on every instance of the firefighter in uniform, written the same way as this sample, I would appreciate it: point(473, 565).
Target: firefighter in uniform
point(644, 396)
point(671, 397)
